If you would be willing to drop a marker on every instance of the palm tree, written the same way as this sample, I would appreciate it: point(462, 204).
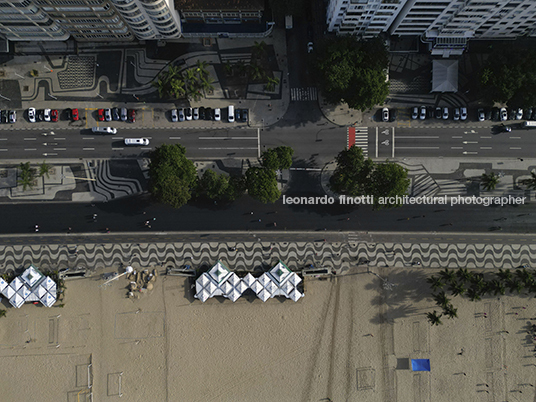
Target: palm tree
point(435, 283)
point(478, 281)
point(515, 285)
point(44, 169)
point(201, 68)
point(441, 299)
point(177, 88)
point(228, 68)
point(525, 277)
point(456, 288)
point(447, 275)
point(530, 183)
point(464, 275)
point(2, 313)
point(497, 287)
point(490, 181)
point(505, 274)
point(434, 318)
point(450, 311)
point(258, 48)
point(270, 85)
point(26, 176)
point(473, 294)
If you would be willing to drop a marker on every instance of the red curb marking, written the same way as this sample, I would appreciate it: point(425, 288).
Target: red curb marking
point(351, 137)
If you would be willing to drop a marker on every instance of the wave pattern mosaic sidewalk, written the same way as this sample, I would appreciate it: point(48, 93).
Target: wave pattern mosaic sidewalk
point(251, 256)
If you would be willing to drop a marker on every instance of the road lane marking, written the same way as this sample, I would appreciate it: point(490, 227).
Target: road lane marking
point(485, 148)
point(376, 142)
point(418, 147)
point(457, 136)
point(469, 153)
point(60, 149)
point(393, 145)
point(30, 149)
point(4, 150)
point(419, 136)
point(515, 147)
point(210, 149)
point(117, 149)
point(88, 138)
point(485, 136)
point(456, 147)
point(30, 139)
point(3, 139)
point(174, 138)
point(88, 149)
point(60, 139)
point(227, 138)
point(515, 138)
point(470, 142)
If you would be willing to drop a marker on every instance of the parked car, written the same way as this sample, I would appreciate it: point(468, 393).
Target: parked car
point(445, 113)
point(209, 113)
point(31, 115)
point(481, 116)
point(238, 115)
point(46, 114)
point(456, 115)
point(528, 113)
point(463, 113)
point(438, 112)
point(519, 114)
point(533, 117)
point(503, 114)
point(217, 114)
point(422, 115)
point(4, 116)
point(385, 114)
point(245, 115)
point(124, 116)
point(512, 113)
point(174, 115)
point(181, 114)
point(488, 114)
point(100, 114)
point(12, 116)
point(108, 114)
point(115, 114)
point(202, 112)
point(309, 47)
point(230, 114)
point(195, 113)
point(415, 113)
point(54, 115)
point(392, 114)
point(188, 113)
point(131, 116)
point(74, 115)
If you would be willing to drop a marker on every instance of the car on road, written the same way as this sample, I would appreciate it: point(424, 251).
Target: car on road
point(100, 114)
point(209, 113)
point(415, 113)
point(104, 130)
point(481, 116)
point(195, 113)
point(310, 47)
point(108, 114)
point(136, 141)
point(54, 115)
point(422, 114)
point(438, 112)
point(124, 115)
point(131, 116)
point(182, 117)
point(31, 114)
point(445, 113)
point(217, 114)
point(74, 115)
point(202, 112)
point(456, 114)
point(503, 114)
point(519, 114)
point(12, 116)
point(115, 114)
point(174, 116)
point(385, 114)
point(46, 114)
point(245, 114)
point(463, 113)
point(507, 128)
point(188, 113)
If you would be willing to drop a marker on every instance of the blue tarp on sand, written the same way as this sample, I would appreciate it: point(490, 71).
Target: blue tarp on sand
point(420, 364)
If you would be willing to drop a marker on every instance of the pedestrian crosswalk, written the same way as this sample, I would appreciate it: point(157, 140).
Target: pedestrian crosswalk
point(358, 136)
point(303, 94)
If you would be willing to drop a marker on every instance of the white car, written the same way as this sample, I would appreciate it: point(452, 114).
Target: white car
point(136, 141)
point(422, 116)
point(415, 113)
point(124, 114)
point(196, 113)
point(463, 114)
point(310, 47)
point(181, 114)
point(481, 115)
point(519, 114)
point(456, 115)
point(385, 114)
point(445, 113)
point(12, 116)
point(108, 114)
point(188, 113)
point(217, 114)
point(174, 116)
point(46, 114)
point(504, 115)
point(31, 115)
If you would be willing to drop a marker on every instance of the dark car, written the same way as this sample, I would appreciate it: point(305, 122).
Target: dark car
point(488, 114)
point(132, 116)
point(527, 113)
point(115, 114)
point(512, 113)
point(533, 117)
point(438, 112)
point(100, 114)
point(4, 116)
point(495, 113)
point(209, 113)
point(202, 113)
point(392, 116)
point(238, 115)
point(245, 114)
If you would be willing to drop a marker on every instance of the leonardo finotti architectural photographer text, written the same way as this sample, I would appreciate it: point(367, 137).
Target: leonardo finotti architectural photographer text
point(405, 200)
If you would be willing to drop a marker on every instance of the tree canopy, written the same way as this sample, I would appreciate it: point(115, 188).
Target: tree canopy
point(353, 71)
point(356, 176)
point(219, 187)
point(277, 158)
point(191, 83)
point(172, 175)
point(509, 76)
point(261, 184)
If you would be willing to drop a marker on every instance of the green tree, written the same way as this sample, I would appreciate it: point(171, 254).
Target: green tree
point(172, 175)
point(2, 313)
point(434, 318)
point(261, 184)
point(271, 83)
point(530, 183)
point(44, 169)
point(219, 187)
point(27, 175)
point(497, 287)
point(450, 311)
point(447, 275)
point(473, 294)
point(515, 285)
point(525, 277)
point(388, 181)
point(441, 299)
point(277, 158)
point(490, 181)
point(464, 275)
point(456, 288)
point(352, 173)
point(353, 71)
point(504, 274)
point(435, 283)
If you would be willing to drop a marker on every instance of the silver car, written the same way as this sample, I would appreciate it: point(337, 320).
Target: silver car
point(182, 117)
point(108, 114)
point(124, 116)
point(31, 115)
point(415, 114)
point(174, 116)
point(12, 116)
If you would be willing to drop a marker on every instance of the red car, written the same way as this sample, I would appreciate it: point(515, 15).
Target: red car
point(74, 114)
point(54, 115)
point(100, 114)
point(132, 116)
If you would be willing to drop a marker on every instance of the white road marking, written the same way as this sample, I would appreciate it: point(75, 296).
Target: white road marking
point(485, 136)
point(4, 150)
point(3, 139)
point(470, 142)
point(117, 149)
point(30, 149)
point(515, 138)
point(30, 139)
point(88, 149)
point(419, 136)
point(457, 136)
point(227, 138)
point(515, 147)
point(60, 139)
point(209, 149)
point(485, 147)
point(174, 138)
point(88, 138)
point(60, 149)
point(418, 147)
point(469, 153)
point(456, 147)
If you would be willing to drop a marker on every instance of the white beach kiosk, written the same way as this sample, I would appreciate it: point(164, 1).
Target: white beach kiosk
point(220, 281)
point(31, 286)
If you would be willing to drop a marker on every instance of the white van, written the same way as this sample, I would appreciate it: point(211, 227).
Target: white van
point(136, 141)
point(231, 114)
point(104, 130)
point(529, 124)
